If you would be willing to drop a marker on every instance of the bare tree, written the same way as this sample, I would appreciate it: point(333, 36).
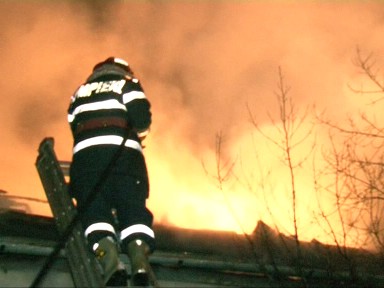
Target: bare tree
point(354, 166)
point(357, 159)
point(292, 135)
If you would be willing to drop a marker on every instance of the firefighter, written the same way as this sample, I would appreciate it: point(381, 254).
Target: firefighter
point(109, 116)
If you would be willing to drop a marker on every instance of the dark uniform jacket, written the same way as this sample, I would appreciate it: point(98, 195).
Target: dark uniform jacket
point(101, 113)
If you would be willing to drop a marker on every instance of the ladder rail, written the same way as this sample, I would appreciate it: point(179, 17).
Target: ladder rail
point(84, 268)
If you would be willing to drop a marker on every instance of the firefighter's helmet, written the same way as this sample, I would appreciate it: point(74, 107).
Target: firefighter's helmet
point(111, 66)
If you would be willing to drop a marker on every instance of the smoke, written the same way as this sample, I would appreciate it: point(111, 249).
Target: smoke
point(201, 63)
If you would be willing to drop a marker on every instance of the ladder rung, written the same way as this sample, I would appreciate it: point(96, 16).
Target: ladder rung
point(65, 166)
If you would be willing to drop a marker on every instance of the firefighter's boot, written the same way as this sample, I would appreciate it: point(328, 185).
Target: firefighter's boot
point(114, 273)
point(138, 252)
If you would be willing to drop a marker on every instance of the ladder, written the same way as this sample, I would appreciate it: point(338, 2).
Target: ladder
point(84, 268)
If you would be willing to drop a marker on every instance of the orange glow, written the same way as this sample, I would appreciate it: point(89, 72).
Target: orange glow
point(201, 63)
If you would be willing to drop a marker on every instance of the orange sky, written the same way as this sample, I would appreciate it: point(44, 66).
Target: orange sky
point(201, 63)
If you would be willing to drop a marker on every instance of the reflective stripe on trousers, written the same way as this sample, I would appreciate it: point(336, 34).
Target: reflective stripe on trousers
point(106, 227)
point(137, 228)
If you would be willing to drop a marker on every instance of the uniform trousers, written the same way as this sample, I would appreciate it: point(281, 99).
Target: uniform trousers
point(124, 191)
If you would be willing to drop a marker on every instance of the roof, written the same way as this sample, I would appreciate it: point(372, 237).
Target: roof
point(196, 258)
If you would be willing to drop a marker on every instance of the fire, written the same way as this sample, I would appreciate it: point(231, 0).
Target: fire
point(185, 191)
point(184, 195)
